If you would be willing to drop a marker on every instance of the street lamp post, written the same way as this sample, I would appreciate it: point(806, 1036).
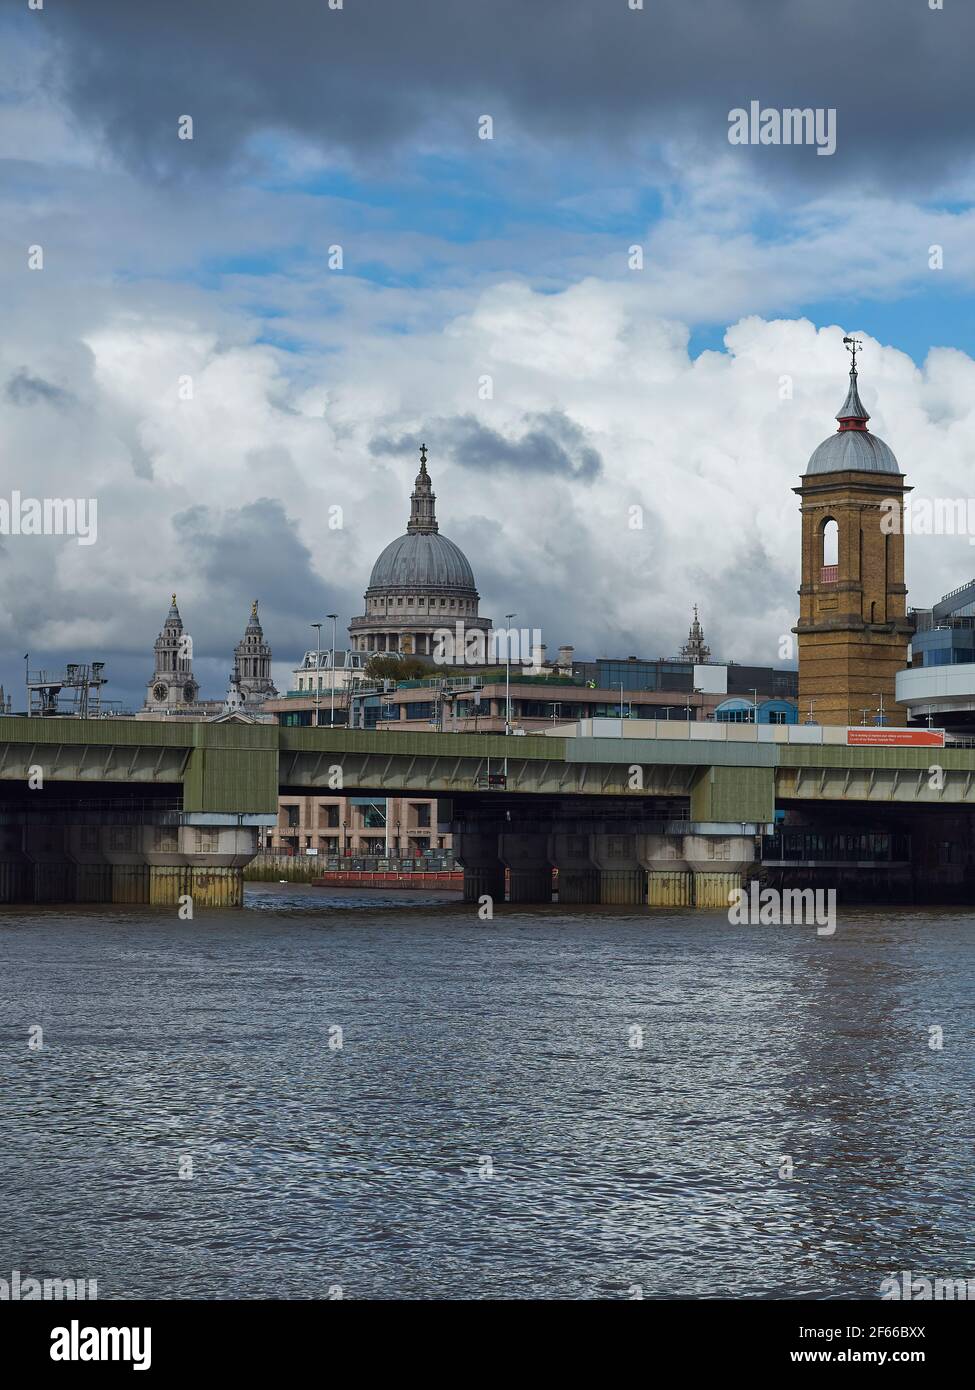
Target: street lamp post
point(331, 698)
point(318, 668)
point(507, 674)
point(507, 685)
point(880, 696)
point(755, 702)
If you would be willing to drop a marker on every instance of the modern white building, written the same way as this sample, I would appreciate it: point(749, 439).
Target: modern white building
point(938, 687)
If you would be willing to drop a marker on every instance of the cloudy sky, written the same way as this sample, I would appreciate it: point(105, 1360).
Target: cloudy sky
point(487, 302)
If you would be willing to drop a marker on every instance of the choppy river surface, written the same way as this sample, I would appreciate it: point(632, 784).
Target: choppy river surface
point(559, 1103)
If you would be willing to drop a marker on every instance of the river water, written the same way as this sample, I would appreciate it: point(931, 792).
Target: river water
point(486, 1129)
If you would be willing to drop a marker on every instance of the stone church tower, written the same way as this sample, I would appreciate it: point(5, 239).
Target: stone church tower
point(252, 663)
point(853, 628)
point(695, 648)
point(172, 685)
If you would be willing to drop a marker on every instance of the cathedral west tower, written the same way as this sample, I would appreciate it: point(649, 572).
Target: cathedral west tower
point(172, 685)
point(853, 628)
point(252, 664)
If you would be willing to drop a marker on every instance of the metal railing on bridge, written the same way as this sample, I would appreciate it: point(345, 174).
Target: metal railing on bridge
point(439, 862)
point(836, 847)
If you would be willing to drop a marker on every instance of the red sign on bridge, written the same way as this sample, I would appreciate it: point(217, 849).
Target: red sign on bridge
point(861, 735)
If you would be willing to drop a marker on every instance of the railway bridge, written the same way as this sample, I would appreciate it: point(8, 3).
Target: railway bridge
point(124, 810)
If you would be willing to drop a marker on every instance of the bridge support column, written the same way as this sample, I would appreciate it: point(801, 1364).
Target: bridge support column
point(123, 848)
point(670, 882)
point(202, 859)
point(16, 871)
point(529, 868)
point(477, 853)
point(92, 871)
point(717, 861)
point(220, 886)
point(622, 878)
point(52, 868)
point(578, 876)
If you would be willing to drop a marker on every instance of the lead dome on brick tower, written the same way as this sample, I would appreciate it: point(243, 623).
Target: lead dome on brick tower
point(852, 448)
point(421, 583)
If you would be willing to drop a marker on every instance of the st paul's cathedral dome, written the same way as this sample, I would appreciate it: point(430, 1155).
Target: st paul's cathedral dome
point(421, 583)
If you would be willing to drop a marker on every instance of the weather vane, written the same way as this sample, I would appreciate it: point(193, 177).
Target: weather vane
point(851, 346)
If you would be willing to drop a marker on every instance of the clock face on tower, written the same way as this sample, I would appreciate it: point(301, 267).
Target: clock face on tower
point(159, 691)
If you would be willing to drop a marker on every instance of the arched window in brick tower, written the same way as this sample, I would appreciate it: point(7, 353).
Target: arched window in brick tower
point(829, 572)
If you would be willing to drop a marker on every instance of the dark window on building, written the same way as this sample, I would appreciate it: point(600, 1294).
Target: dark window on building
point(423, 709)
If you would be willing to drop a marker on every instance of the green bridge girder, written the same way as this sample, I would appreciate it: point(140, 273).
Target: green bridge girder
point(241, 768)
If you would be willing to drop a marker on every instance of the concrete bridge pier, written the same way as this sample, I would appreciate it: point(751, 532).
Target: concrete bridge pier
point(194, 855)
point(717, 860)
point(52, 869)
point(92, 870)
point(123, 848)
point(477, 853)
point(578, 875)
point(670, 882)
point(529, 867)
point(202, 859)
point(16, 870)
point(622, 878)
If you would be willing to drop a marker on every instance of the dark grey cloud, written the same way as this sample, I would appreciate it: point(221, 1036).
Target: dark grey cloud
point(224, 559)
point(23, 388)
point(551, 443)
point(367, 77)
point(255, 552)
